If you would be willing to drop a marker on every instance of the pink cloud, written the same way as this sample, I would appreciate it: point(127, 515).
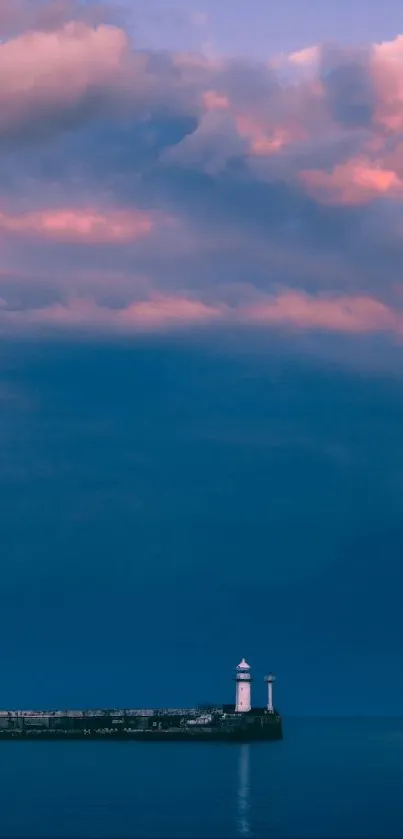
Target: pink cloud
point(358, 314)
point(266, 139)
point(214, 101)
point(221, 111)
point(387, 77)
point(90, 226)
point(290, 309)
point(158, 313)
point(308, 55)
point(57, 69)
point(161, 311)
point(356, 182)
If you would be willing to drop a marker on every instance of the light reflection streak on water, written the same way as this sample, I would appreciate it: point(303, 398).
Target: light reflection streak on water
point(243, 803)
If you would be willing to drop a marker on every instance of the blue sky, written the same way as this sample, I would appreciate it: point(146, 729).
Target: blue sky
point(201, 404)
point(259, 28)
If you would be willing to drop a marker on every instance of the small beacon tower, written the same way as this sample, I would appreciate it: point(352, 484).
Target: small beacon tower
point(243, 680)
point(270, 679)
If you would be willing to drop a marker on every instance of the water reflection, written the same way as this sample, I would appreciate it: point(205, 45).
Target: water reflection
point(243, 802)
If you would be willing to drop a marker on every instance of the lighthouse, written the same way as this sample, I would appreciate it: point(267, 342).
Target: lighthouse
point(243, 680)
point(270, 679)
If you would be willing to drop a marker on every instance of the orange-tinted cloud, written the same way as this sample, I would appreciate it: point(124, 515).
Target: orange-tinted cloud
point(354, 182)
point(89, 226)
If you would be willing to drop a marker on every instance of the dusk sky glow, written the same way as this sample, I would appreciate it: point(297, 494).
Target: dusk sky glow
point(201, 322)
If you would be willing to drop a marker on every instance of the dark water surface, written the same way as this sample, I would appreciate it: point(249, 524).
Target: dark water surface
point(328, 778)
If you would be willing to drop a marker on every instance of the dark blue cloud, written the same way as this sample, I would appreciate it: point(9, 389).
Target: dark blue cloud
point(349, 86)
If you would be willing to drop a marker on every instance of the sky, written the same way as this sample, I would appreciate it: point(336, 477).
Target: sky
point(260, 28)
point(201, 323)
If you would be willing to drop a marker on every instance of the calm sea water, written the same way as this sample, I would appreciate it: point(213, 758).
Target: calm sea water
point(328, 778)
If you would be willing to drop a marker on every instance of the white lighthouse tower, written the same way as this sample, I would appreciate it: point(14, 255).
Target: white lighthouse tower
point(270, 679)
point(243, 680)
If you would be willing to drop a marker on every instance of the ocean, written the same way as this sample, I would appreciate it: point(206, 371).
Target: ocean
point(327, 778)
